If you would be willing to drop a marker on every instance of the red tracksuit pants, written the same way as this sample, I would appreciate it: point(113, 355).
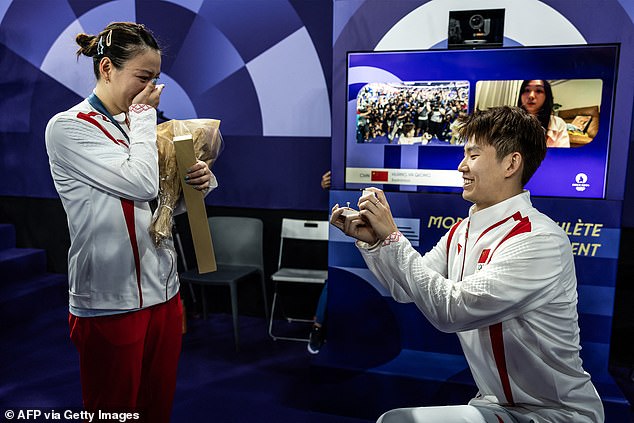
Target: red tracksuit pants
point(128, 362)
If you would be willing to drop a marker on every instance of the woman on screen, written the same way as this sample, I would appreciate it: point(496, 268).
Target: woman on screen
point(536, 97)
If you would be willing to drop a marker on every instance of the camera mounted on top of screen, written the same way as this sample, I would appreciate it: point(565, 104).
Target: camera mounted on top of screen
point(475, 28)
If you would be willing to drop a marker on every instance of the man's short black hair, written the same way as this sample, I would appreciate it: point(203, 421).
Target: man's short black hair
point(508, 130)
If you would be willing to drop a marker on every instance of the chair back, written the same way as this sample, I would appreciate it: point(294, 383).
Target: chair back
point(300, 229)
point(237, 240)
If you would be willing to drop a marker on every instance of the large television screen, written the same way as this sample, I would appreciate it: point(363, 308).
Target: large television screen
point(402, 110)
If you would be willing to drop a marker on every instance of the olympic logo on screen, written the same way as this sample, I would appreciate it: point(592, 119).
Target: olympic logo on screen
point(581, 182)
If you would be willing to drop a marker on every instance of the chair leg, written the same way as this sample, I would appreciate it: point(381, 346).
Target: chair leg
point(286, 338)
point(234, 312)
point(272, 315)
point(265, 298)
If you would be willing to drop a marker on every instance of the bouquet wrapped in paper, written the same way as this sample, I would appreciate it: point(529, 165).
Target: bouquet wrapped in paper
point(207, 145)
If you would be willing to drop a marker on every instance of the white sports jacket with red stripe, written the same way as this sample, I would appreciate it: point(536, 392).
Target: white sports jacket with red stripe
point(504, 280)
point(105, 183)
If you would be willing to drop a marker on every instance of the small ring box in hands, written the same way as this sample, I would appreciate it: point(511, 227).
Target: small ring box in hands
point(350, 212)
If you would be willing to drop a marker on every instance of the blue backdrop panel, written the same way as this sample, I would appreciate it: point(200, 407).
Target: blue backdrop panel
point(256, 31)
point(17, 79)
point(238, 117)
point(23, 17)
point(23, 159)
point(361, 316)
point(200, 72)
point(272, 173)
point(172, 40)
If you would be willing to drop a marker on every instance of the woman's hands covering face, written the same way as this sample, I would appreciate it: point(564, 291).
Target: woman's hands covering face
point(151, 95)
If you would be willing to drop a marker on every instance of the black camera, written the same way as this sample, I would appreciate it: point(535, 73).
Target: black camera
point(476, 28)
point(479, 24)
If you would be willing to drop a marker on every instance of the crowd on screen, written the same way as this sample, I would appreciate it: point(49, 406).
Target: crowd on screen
point(389, 112)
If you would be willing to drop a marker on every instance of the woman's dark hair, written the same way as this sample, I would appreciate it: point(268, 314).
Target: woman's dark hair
point(119, 41)
point(508, 130)
point(547, 109)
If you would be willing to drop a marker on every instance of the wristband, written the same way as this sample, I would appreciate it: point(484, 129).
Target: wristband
point(392, 238)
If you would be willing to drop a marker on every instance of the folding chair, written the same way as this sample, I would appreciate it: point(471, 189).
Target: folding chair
point(238, 248)
point(315, 237)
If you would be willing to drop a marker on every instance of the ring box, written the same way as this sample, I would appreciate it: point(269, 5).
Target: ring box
point(349, 212)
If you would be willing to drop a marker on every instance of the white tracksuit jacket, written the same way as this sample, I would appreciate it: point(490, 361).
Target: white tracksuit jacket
point(504, 280)
point(105, 183)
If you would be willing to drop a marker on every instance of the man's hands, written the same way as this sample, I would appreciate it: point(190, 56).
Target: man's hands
point(373, 223)
point(375, 209)
point(352, 225)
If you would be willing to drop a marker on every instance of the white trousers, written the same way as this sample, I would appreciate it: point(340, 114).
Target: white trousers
point(449, 414)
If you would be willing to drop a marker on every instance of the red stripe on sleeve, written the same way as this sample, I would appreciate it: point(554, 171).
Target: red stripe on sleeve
point(89, 117)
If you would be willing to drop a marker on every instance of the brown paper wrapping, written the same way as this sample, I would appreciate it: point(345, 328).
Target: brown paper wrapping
point(207, 146)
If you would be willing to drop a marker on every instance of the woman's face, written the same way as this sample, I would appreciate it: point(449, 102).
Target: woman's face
point(533, 96)
point(133, 77)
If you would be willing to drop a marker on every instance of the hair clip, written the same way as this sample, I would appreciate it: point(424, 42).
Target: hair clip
point(100, 46)
point(109, 38)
